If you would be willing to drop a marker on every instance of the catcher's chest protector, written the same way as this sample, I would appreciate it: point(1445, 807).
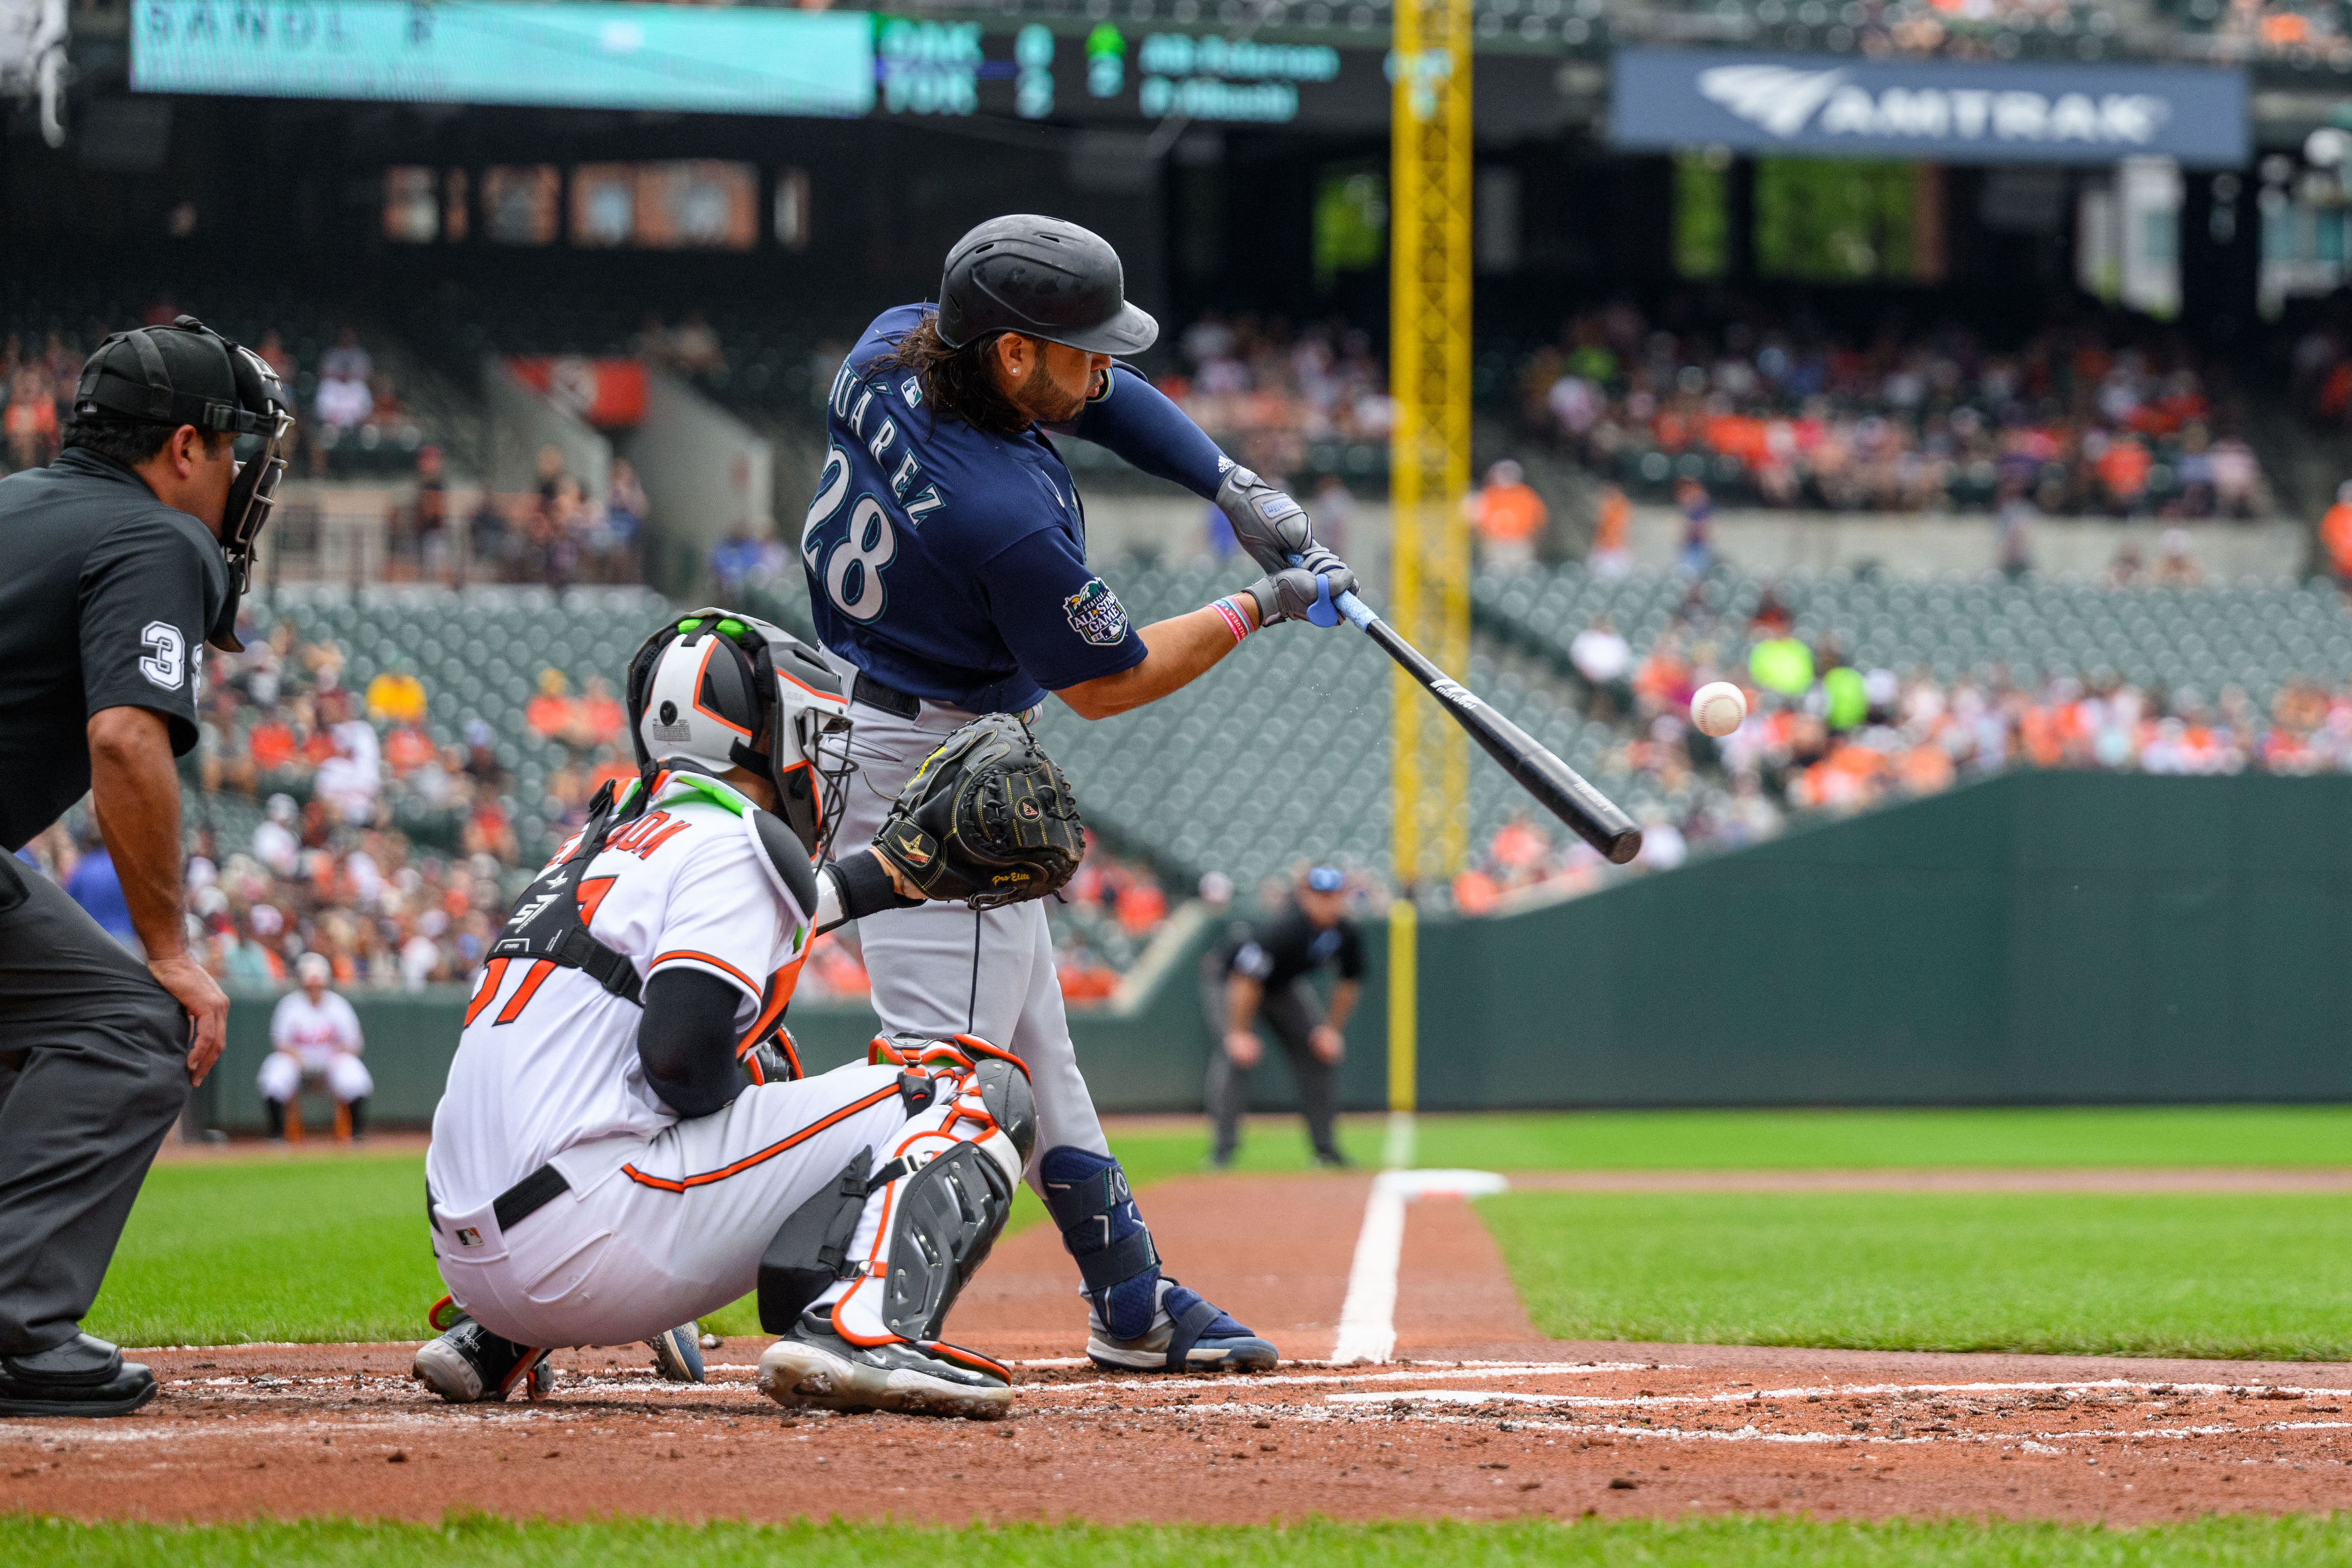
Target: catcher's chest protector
point(546, 926)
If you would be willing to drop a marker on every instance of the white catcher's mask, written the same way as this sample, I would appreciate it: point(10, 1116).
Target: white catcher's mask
point(704, 690)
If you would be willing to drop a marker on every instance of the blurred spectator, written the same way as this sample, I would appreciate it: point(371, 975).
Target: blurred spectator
point(30, 419)
point(1262, 977)
point(343, 405)
point(694, 347)
point(314, 1036)
point(98, 888)
point(1274, 395)
point(737, 559)
point(2335, 536)
point(347, 361)
point(429, 515)
point(1697, 553)
point(1509, 517)
point(1601, 656)
point(625, 509)
point(1612, 519)
point(395, 696)
point(2016, 533)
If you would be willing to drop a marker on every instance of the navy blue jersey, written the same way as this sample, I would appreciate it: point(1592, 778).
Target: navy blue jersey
point(948, 562)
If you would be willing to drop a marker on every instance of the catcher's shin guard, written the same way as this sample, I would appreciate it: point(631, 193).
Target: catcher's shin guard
point(884, 1255)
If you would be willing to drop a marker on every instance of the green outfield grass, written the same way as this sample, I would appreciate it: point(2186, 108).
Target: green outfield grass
point(2230, 1275)
point(2212, 1542)
point(1760, 1139)
point(325, 1247)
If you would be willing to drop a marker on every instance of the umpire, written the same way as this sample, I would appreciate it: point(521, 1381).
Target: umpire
point(1264, 977)
point(116, 562)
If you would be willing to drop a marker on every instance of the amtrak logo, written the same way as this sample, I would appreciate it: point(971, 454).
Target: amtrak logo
point(1095, 613)
point(1786, 102)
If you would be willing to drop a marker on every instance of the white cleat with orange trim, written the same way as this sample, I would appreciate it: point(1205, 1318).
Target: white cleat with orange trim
point(815, 1365)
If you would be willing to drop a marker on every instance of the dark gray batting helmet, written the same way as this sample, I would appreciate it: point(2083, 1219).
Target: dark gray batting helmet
point(1045, 279)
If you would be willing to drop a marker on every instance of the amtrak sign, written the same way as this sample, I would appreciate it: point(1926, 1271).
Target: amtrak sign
point(1947, 112)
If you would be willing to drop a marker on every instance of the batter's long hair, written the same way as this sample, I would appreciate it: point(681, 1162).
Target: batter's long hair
point(957, 383)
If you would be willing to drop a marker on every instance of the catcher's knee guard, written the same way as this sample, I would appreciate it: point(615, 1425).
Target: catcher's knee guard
point(1088, 1198)
point(907, 1237)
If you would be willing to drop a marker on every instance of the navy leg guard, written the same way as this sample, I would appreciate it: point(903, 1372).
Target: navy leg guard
point(1088, 1198)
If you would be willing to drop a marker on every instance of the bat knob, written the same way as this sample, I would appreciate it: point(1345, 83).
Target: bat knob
point(1623, 847)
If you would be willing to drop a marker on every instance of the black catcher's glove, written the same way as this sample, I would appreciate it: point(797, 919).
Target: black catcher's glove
point(988, 818)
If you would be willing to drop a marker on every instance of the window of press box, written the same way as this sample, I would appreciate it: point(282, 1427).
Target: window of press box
point(412, 205)
point(696, 203)
point(519, 203)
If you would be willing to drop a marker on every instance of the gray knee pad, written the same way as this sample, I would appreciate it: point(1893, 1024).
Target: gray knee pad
point(811, 1247)
point(1005, 1089)
point(950, 1214)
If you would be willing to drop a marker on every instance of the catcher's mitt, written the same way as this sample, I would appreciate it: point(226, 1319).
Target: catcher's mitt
point(988, 818)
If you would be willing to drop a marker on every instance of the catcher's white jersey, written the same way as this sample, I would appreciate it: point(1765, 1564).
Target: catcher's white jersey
point(548, 1061)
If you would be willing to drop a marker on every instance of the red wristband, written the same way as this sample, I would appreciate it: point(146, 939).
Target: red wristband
point(1235, 622)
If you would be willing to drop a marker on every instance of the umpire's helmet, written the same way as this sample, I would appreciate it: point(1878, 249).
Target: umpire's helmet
point(1044, 278)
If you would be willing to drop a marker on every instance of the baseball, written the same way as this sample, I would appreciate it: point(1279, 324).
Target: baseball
point(1717, 708)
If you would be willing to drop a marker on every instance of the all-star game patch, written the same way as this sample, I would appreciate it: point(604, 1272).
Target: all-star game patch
point(1095, 613)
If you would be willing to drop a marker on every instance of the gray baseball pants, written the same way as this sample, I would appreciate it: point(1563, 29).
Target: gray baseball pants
point(93, 1072)
point(942, 969)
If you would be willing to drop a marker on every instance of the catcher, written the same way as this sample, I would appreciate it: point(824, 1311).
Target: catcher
point(627, 1141)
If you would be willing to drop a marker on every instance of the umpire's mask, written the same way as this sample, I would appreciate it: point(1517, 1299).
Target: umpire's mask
point(188, 373)
point(704, 687)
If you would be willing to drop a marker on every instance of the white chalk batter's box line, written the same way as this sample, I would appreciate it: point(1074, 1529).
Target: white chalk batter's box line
point(1830, 1391)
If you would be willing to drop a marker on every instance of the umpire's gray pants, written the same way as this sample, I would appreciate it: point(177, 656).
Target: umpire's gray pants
point(1292, 1012)
point(942, 969)
point(93, 1072)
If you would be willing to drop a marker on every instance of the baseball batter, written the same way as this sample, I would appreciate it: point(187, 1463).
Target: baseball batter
point(946, 558)
point(625, 1142)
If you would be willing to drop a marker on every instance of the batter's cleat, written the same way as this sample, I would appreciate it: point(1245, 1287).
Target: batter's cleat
point(83, 1376)
point(1188, 1334)
point(677, 1354)
point(468, 1364)
point(815, 1365)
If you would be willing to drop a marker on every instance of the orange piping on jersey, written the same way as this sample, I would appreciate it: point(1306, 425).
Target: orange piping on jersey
point(706, 1178)
point(494, 974)
point(743, 979)
point(760, 1025)
point(539, 971)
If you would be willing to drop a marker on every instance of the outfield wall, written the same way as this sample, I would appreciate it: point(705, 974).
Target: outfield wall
point(2041, 938)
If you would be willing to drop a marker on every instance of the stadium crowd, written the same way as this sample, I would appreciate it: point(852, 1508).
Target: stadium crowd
point(325, 819)
point(1266, 390)
point(1824, 737)
point(2084, 417)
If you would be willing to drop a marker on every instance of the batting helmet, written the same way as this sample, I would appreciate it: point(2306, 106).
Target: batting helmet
point(1044, 278)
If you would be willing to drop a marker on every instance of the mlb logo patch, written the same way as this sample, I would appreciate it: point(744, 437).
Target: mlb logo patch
point(468, 1237)
point(1095, 613)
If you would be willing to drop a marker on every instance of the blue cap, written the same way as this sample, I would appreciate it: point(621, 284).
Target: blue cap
point(1325, 880)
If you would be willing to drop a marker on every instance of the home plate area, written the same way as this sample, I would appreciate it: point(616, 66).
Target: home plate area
point(1475, 1416)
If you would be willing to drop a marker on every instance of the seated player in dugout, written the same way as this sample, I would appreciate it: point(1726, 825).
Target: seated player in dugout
point(627, 1141)
point(946, 557)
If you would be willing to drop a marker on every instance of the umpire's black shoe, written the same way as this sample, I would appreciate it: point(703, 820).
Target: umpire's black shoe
point(83, 1376)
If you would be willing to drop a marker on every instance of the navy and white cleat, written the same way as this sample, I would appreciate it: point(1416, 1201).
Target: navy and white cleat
point(677, 1354)
point(1188, 1334)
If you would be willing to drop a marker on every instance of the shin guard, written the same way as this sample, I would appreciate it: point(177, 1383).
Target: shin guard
point(933, 1210)
point(1088, 1198)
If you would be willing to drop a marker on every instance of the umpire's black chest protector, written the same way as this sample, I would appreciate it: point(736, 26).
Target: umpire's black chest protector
point(546, 926)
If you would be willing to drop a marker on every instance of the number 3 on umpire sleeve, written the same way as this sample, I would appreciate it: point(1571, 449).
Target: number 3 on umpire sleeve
point(166, 663)
point(850, 567)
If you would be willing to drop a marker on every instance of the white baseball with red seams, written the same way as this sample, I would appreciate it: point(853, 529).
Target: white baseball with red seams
point(1718, 707)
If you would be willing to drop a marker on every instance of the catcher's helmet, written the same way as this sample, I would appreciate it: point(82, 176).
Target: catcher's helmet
point(1044, 278)
point(704, 687)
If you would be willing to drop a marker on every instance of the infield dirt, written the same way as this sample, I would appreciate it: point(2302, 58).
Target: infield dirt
point(1480, 1419)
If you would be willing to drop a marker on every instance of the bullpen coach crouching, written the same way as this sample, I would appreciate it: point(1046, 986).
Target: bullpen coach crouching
point(116, 562)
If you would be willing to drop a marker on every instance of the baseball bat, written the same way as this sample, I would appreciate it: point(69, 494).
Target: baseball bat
point(1597, 819)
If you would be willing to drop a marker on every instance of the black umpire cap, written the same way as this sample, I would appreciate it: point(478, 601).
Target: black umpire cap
point(1045, 279)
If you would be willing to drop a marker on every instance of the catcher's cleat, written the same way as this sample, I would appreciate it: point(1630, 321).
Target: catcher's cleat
point(677, 1354)
point(1187, 1335)
point(468, 1364)
point(815, 1365)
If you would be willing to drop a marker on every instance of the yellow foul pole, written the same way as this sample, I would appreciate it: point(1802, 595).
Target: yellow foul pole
point(1429, 469)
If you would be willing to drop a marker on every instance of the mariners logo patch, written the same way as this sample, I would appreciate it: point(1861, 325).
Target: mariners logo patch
point(1095, 613)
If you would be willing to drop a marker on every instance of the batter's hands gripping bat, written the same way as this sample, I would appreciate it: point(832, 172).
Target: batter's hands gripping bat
point(1597, 819)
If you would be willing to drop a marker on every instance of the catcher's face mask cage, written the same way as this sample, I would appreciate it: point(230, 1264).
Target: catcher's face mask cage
point(704, 688)
point(129, 378)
